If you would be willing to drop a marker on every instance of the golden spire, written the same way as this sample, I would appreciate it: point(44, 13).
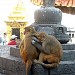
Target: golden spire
point(18, 13)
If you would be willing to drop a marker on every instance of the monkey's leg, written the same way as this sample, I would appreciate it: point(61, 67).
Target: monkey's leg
point(28, 67)
point(40, 60)
point(21, 44)
point(52, 61)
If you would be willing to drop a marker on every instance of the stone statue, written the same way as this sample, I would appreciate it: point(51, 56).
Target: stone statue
point(48, 19)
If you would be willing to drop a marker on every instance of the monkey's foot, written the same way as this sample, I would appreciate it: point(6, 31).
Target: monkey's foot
point(37, 61)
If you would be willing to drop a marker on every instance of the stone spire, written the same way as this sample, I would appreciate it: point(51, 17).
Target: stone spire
point(17, 21)
point(18, 13)
point(48, 2)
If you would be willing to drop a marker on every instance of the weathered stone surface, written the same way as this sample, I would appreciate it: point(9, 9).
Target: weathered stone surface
point(12, 65)
point(68, 46)
point(15, 66)
point(6, 72)
point(2, 74)
point(68, 55)
point(65, 68)
point(38, 69)
point(15, 52)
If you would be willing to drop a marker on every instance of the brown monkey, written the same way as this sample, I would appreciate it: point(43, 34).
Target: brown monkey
point(27, 51)
point(53, 46)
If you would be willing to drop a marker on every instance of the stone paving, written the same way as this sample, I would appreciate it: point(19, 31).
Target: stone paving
point(5, 50)
point(15, 67)
point(1, 74)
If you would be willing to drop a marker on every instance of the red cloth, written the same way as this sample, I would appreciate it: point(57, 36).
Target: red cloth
point(13, 42)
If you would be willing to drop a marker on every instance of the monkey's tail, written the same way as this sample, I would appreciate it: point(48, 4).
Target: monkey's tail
point(28, 67)
point(52, 65)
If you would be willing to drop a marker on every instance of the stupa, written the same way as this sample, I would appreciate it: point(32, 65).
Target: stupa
point(48, 19)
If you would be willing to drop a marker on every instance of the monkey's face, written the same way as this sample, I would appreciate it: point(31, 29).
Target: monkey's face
point(29, 29)
point(41, 36)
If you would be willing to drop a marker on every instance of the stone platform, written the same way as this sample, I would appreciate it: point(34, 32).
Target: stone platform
point(12, 64)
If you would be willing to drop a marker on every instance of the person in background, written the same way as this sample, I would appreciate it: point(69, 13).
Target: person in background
point(5, 39)
point(13, 40)
point(1, 40)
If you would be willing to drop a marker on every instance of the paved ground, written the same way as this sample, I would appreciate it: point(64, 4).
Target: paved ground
point(1, 74)
point(4, 50)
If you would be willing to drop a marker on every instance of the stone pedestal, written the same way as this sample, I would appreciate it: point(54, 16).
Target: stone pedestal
point(64, 68)
point(38, 69)
point(11, 63)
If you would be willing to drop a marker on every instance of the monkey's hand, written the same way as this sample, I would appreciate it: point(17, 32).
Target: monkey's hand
point(37, 61)
point(37, 44)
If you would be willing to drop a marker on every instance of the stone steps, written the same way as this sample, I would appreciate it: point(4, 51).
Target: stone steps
point(64, 68)
point(12, 64)
point(15, 52)
point(2, 74)
point(67, 54)
point(68, 46)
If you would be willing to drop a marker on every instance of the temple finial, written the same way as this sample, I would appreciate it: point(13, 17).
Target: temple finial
point(48, 2)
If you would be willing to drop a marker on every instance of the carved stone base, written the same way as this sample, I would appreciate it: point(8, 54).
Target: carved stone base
point(64, 68)
point(38, 69)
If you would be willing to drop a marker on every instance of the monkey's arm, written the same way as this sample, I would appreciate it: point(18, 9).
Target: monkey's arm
point(37, 44)
point(21, 44)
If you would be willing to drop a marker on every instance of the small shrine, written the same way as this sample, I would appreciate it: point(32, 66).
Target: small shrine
point(17, 21)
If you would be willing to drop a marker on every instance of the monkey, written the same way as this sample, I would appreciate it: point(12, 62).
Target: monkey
point(28, 52)
point(54, 48)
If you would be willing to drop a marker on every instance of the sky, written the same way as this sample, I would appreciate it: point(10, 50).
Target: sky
point(6, 7)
